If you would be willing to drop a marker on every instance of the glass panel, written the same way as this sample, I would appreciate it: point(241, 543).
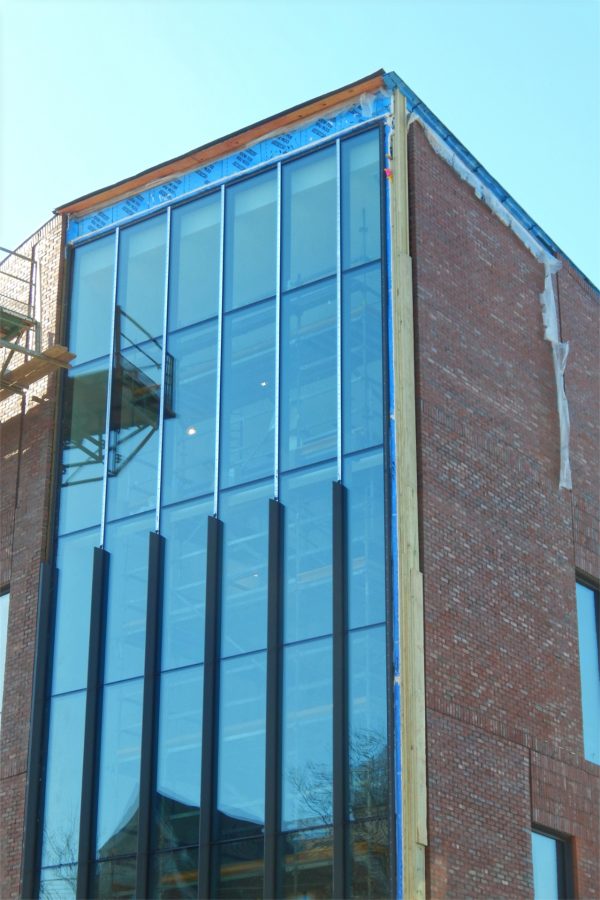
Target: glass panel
point(92, 299)
point(119, 779)
point(115, 879)
point(184, 596)
point(370, 860)
point(250, 240)
point(367, 721)
point(307, 863)
point(307, 549)
point(587, 612)
point(59, 883)
point(307, 734)
point(241, 749)
point(60, 841)
point(362, 372)
point(245, 515)
point(75, 563)
point(309, 239)
point(361, 209)
point(189, 430)
point(141, 279)
point(127, 542)
point(239, 867)
point(175, 874)
point(363, 476)
point(247, 402)
point(545, 867)
point(308, 375)
point(4, 603)
point(195, 262)
point(83, 432)
point(179, 757)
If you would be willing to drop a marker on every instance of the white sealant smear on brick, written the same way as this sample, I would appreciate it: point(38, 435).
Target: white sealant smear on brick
point(560, 349)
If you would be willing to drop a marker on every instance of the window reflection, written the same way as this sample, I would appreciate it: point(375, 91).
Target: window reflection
point(175, 874)
point(307, 787)
point(241, 746)
point(363, 476)
point(195, 262)
point(92, 299)
point(58, 883)
point(307, 861)
point(361, 205)
point(239, 869)
point(248, 392)
point(308, 375)
point(370, 859)
point(115, 879)
point(307, 548)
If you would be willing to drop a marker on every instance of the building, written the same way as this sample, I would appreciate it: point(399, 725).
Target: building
point(302, 549)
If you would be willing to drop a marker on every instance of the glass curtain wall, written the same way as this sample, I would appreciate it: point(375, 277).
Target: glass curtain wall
point(229, 353)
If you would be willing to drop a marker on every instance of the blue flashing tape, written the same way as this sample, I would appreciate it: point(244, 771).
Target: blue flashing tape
point(237, 163)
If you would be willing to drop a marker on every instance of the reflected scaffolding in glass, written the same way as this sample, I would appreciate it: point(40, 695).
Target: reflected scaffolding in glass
point(175, 875)
point(307, 553)
point(189, 425)
point(247, 445)
point(194, 266)
point(361, 203)
point(245, 517)
point(241, 746)
point(367, 723)
point(308, 403)
point(115, 879)
point(239, 869)
point(307, 751)
point(307, 863)
point(364, 479)
point(250, 240)
point(119, 771)
point(64, 768)
point(370, 860)
point(184, 595)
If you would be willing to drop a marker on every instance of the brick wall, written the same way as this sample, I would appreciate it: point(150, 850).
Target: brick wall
point(500, 542)
point(26, 448)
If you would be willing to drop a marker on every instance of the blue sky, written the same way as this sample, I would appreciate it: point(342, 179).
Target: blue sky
point(94, 90)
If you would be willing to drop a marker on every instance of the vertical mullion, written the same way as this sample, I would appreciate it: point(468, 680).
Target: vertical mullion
point(163, 374)
point(339, 306)
point(39, 718)
point(273, 742)
point(109, 389)
point(340, 712)
point(277, 334)
point(219, 351)
point(210, 703)
point(93, 716)
point(150, 712)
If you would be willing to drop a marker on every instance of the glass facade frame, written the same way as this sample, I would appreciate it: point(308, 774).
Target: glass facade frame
point(336, 458)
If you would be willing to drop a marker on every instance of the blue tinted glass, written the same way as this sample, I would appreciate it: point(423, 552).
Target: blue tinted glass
point(184, 528)
point(241, 746)
point(58, 883)
point(370, 860)
point(361, 209)
point(307, 547)
point(307, 788)
point(179, 758)
point(367, 721)
point(92, 300)
point(141, 281)
point(189, 428)
point(60, 841)
point(239, 869)
point(4, 604)
point(75, 565)
point(545, 868)
point(119, 778)
point(245, 514)
point(247, 402)
point(127, 542)
point(115, 879)
point(308, 375)
point(362, 367)
point(250, 240)
point(175, 874)
point(363, 476)
point(309, 209)
point(307, 862)
point(84, 425)
point(195, 262)
point(587, 610)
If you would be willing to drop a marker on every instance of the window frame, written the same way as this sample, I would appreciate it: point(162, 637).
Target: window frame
point(564, 860)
